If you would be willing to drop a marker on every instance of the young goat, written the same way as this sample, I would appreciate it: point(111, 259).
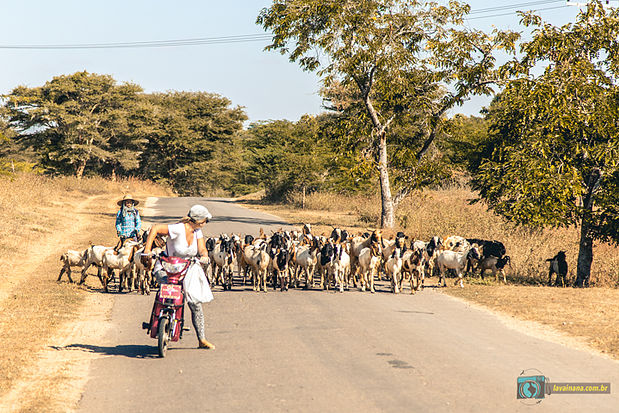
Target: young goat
point(413, 265)
point(71, 258)
point(121, 262)
point(94, 256)
point(305, 258)
point(369, 261)
point(496, 265)
point(393, 268)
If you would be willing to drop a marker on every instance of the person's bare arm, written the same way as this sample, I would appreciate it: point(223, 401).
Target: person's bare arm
point(160, 229)
point(202, 247)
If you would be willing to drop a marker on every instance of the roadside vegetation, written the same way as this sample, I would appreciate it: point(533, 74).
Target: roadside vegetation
point(43, 217)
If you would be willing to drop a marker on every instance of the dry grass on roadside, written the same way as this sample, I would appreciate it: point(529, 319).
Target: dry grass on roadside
point(32, 206)
point(41, 217)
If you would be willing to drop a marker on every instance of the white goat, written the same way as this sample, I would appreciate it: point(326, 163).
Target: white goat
point(69, 259)
point(121, 261)
point(369, 261)
point(94, 256)
point(341, 269)
point(455, 261)
point(258, 260)
point(456, 243)
point(393, 268)
point(357, 244)
point(305, 257)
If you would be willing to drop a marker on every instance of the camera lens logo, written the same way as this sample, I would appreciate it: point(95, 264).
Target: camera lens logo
point(530, 387)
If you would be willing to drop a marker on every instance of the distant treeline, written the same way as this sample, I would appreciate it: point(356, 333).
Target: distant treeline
point(89, 124)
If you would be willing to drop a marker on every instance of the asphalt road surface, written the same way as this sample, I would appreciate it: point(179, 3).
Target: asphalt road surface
point(317, 351)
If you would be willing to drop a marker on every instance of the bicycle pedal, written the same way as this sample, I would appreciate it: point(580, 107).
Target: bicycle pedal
point(145, 326)
point(185, 328)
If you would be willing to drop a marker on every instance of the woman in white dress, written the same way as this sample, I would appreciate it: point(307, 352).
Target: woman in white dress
point(185, 240)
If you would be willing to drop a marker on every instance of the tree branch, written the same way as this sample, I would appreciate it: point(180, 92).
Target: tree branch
point(400, 195)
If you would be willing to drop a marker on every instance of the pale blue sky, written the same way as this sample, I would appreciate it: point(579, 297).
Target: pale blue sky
point(265, 83)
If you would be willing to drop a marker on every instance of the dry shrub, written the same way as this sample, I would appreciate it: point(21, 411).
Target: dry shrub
point(445, 212)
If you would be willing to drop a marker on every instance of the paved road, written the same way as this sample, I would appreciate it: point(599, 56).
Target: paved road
point(316, 351)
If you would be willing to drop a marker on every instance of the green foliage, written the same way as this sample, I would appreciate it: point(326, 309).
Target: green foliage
point(464, 136)
point(14, 157)
point(389, 64)
point(87, 123)
point(553, 134)
point(284, 156)
point(76, 122)
point(191, 141)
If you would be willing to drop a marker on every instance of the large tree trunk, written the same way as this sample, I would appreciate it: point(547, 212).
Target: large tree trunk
point(585, 250)
point(387, 216)
point(585, 255)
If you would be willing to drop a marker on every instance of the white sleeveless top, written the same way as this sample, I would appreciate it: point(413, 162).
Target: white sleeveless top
point(176, 245)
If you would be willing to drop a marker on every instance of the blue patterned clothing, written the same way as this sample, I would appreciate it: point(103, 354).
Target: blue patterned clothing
point(128, 223)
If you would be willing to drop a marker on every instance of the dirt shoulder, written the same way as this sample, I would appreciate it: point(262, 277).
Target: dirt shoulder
point(45, 313)
point(39, 371)
point(580, 318)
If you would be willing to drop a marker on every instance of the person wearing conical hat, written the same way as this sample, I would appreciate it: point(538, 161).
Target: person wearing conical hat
point(128, 221)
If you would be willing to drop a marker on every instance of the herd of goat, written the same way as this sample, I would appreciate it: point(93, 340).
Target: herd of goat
point(299, 258)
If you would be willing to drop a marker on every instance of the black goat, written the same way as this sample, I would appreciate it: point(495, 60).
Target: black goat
point(558, 266)
point(490, 248)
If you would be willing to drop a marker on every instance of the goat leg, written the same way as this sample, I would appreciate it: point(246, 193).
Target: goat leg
point(61, 272)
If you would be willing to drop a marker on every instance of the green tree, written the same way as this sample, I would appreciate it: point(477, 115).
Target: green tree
point(285, 156)
point(465, 135)
point(393, 59)
point(552, 156)
point(76, 121)
point(189, 136)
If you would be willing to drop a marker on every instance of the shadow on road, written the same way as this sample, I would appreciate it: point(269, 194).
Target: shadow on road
point(128, 350)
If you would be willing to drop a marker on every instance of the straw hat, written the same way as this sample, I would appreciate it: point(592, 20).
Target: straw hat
point(127, 198)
